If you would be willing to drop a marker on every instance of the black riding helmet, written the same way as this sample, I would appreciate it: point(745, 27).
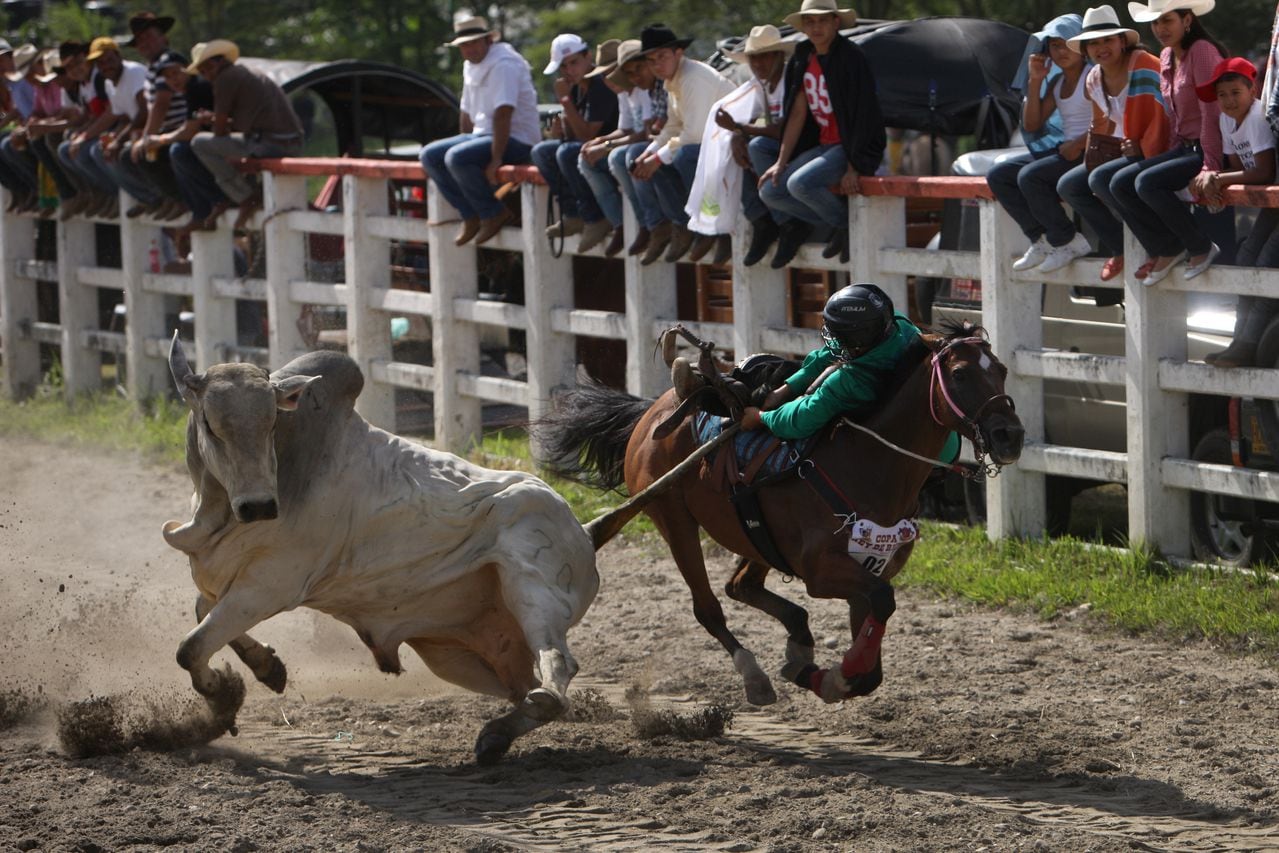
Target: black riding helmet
point(857, 318)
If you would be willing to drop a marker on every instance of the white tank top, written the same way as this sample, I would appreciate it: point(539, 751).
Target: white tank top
point(1111, 105)
point(1076, 111)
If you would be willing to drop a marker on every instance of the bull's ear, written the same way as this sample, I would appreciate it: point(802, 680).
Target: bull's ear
point(289, 391)
point(189, 383)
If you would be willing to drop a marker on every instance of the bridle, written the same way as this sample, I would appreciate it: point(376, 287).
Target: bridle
point(937, 381)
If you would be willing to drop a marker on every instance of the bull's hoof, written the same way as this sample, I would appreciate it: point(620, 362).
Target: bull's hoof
point(276, 675)
point(542, 705)
point(225, 699)
point(490, 747)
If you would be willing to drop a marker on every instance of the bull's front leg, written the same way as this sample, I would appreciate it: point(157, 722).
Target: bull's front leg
point(261, 659)
point(231, 617)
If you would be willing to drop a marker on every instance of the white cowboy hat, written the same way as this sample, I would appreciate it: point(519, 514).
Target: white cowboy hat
point(206, 50)
point(23, 58)
point(765, 39)
point(470, 29)
point(847, 17)
point(1145, 12)
point(52, 59)
point(1099, 22)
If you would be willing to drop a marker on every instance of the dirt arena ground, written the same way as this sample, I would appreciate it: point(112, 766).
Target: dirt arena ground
point(992, 731)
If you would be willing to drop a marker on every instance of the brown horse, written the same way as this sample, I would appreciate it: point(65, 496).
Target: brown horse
point(842, 525)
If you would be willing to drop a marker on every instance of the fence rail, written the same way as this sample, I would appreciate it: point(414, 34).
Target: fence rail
point(1154, 371)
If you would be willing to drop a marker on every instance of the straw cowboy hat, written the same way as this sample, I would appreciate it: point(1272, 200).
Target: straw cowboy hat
point(605, 58)
point(1099, 22)
point(765, 39)
point(1145, 12)
point(23, 58)
point(470, 29)
point(52, 61)
point(204, 51)
point(628, 51)
point(658, 36)
point(847, 17)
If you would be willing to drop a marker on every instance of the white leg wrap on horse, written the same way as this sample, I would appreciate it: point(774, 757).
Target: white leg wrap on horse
point(834, 686)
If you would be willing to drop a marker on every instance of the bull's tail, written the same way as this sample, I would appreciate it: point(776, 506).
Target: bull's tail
point(584, 438)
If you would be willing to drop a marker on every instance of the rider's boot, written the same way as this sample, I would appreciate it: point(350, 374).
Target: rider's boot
point(683, 379)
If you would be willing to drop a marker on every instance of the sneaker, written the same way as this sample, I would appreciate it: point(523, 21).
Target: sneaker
point(1035, 255)
point(1238, 354)
point(764, 233)
point(1193, 270)
point(1155, 276)
point(681, 241)
point(616, 244)
point(640, 243)
point(658, 238)
point(792, 237)
point(701, 247)
point(566, 227)
point(593, 233)
point(1060, 256)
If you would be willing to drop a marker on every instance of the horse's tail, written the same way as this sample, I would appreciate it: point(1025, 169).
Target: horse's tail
point(584, 437)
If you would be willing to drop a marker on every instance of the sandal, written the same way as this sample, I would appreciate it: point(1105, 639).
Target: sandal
point(1113, 267)
point(1145, 269)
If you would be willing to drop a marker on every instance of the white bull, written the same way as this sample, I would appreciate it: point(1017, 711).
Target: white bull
point(301, 502)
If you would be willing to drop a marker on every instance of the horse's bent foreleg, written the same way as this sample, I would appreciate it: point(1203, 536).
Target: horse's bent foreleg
point(747, 586)
point(261, 659)
point(861, 671)
point(679, 529)
point(233, 615)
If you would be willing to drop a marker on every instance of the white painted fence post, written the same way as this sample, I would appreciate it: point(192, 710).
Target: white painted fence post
point(144, 311)
point(368, 269)
point(212, 256)
point(1015, 501)
point(455, 345)
point(285, 260)
point(759, 297)
point(77, 306)
point(18, 306)
point(874, 223)
point(548, 285)
point(1154, 329)
point(650, 296)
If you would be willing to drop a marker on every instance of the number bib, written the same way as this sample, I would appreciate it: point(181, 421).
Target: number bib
point(873, 546)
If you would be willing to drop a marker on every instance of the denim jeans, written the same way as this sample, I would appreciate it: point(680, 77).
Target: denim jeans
point(17, 168)
point(803, 190)
point(557, 160)
point(46, 150)
point(1259, 249)
point(197, 185)
point(129, 177)
point(1145, 193)
point(456, 166)
point(673, 183)
point(603, 186)
point(1026, 187)
point(86, 169)
point(762, 151)
point(648, 210)
point(1088, 194)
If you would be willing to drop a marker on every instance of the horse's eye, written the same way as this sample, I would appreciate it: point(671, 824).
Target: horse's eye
point(960, 374)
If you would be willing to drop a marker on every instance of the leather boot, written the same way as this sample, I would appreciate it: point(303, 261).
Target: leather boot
point(723, 250)
point(1238, 354)
point(701, 247)
point(764, 233)
point(681, 240)
point(657, 240)
point(640, 243)
point(792, 237)
point(616, 243)
point(470, 227)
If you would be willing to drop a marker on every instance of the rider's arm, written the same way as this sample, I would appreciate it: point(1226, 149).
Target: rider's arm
point(845, 391)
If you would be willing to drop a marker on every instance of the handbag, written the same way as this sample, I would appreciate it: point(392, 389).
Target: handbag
point(1101, 148)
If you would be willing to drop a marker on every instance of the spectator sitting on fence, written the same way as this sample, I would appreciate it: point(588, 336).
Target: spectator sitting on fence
point(499, 125)
point(751, 111)
point(20, 96)
point(151, 181)
point(670, 161)
point(1055, 117)
point(1248, 148)
point(87, 95)
point(589, 110)
point(1146, 192)
point(634, 71)
point(45, 134)
point(833, 132)
point(195, 184)
point(634, 112)
point(251, 118)
point(38, 100)
point(1123, 86)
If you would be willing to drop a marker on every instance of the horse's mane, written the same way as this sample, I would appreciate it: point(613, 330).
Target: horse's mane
point(928, 342)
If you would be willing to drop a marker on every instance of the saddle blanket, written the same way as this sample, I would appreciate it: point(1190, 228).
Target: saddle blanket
point(747, 445)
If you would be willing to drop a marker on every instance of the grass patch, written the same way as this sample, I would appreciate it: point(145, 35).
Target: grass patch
point(101, 420)
point(1133, 590)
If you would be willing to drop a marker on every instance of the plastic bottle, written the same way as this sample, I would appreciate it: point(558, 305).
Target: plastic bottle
point(154, 256)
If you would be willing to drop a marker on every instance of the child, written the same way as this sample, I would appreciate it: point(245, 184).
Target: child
point(1248, 146)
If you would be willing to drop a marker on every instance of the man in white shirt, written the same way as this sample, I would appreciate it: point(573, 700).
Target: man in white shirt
point(126, 103)
point(671, 159)
point(499, 126)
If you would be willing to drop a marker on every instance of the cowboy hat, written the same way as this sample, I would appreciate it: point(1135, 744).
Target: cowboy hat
point(23, 58)
point(627, 52)
point(765, 39)
point(144, 21)
point(470, 29)
point(605, 58)
point(658, 36)
point(204, 51)
point(1145, 12)
point(1100, 22)
point(101, 45)
point(847, 17)
point(52, 63)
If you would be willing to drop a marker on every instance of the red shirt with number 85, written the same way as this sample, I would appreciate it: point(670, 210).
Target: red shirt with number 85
point(819, 102)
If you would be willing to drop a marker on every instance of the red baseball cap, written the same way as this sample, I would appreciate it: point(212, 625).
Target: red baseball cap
point(1233, 65)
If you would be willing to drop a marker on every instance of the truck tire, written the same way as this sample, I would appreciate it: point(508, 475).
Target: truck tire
point(1214, 536)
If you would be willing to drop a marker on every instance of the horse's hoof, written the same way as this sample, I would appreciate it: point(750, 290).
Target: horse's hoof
point(760, 693)
point(759, 689)
point(490, 747)
point(542, 705)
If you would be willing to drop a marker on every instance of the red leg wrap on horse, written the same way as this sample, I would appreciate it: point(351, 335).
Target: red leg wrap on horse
point(860, 659)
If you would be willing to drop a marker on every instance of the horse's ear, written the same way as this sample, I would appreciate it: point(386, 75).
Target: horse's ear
point(932, 340)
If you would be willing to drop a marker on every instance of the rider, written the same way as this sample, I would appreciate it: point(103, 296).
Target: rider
point(864, 341)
